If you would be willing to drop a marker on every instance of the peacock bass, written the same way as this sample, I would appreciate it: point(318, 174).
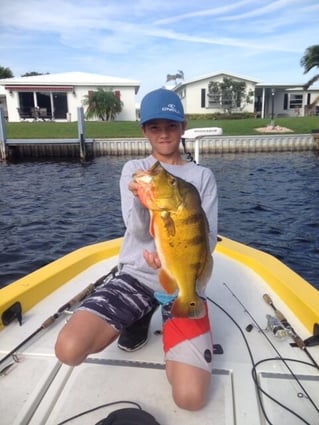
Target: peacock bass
point(179, 227)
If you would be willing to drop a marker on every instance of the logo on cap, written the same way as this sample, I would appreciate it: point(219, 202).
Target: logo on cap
point(171, 108)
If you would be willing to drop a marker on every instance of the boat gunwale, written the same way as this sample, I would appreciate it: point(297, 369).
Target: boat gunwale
point(299, 296)
point(32, 288)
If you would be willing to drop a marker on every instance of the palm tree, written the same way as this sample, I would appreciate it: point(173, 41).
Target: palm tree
point(103, 104)
point(310, 60)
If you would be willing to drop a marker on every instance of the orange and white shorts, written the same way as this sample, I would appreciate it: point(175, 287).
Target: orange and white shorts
point(188, 340)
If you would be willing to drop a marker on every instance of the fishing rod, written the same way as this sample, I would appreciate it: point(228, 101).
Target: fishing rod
point(50, 320)
point(274, 348)
point(290, 330)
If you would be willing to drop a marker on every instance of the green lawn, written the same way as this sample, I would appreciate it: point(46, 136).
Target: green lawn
point(47, 130)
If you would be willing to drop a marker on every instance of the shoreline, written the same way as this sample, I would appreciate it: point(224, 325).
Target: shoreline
point(19, 149)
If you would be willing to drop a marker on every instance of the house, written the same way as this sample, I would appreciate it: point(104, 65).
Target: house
point(264, 100)
point(57, 96)
point(196, 98)
point(285, 100)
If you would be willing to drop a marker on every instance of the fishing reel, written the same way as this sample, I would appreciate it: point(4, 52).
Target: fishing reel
point(276, 327)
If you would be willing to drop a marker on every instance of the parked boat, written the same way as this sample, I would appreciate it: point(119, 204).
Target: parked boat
point(265, 321)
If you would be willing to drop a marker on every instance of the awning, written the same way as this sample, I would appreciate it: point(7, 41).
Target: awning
point(40, 88)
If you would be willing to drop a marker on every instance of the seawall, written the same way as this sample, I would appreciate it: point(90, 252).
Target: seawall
point(71, 148)
point(213, 145)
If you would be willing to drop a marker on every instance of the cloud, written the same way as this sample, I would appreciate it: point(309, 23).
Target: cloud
point(215, 11)
point(83, 25)
point(145, 40)
point(268, 8)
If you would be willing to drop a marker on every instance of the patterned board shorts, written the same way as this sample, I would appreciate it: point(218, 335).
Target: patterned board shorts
point(124, 300)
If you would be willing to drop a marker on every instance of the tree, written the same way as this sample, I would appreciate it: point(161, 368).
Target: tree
point(310, 60)
point(5, 72)
point(33, 73)
point(229, 94)
point(104, 104)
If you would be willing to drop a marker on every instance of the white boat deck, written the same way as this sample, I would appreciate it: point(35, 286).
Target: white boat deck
point(39, 390)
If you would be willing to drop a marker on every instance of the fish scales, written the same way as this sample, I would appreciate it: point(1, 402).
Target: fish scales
point(180, 230)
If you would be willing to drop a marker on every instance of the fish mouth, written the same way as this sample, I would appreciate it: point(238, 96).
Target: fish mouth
point(145, 179)
point(142, 177)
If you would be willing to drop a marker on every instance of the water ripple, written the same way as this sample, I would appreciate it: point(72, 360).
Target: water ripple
point(267, 200)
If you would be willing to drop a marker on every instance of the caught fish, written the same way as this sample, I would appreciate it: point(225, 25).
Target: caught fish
point(179, 227)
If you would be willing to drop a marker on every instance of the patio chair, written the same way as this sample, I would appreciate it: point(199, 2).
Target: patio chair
point(23, 114)
point(43, 114)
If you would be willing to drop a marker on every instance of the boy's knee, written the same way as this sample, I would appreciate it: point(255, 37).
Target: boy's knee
point(189, 399)
point(66, 351)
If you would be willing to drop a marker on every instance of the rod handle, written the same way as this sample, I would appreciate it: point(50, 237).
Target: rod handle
point(268, 300)
point(278, 314)
point(81, 295)
point(78, 298)
point(300, 343)
point(48, 322)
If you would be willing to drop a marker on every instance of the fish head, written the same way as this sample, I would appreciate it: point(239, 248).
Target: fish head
point(158, 189)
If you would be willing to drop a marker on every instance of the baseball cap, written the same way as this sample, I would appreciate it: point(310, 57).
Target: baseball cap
point(161, 104)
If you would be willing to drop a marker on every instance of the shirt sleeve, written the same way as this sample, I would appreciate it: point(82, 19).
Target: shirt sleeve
point(136, 217)
point(209, 199)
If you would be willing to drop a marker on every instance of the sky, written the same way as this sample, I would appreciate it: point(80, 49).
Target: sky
point(145, 40)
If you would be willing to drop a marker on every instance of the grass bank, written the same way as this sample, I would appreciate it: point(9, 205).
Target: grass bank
point(238, 127)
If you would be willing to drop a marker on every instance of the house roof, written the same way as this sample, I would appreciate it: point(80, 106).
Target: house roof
point(292, 86)
point(71, 78)
point(207, 76)
point(282, 85)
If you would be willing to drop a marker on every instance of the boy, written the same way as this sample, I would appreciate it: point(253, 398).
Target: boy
point(125, 304)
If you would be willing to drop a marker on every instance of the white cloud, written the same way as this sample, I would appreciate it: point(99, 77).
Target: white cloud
point(215, 11)
point(145, 39)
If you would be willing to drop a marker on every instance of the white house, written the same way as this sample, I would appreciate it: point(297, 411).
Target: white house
point(266, 100)
point(195, 97)
point(57, 96)
point(286, 99)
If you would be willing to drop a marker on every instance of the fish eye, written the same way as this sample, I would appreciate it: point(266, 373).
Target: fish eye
point(172, 181)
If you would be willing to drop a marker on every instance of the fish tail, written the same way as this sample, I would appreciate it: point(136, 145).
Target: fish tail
point(192, 308)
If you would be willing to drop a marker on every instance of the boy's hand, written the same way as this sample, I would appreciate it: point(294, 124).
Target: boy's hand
point(152, 259)
point(132, 186)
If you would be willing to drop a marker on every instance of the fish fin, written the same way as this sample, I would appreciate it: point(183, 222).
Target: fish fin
point(205, 274)
point(151, 228)
point(168, 223)
point(192, 308)
point(167, 282)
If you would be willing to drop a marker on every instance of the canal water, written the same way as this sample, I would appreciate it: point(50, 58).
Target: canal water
point(269, 201)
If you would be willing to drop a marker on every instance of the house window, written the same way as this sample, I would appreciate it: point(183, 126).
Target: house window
point(182, 93)
point(26, 103)
point(214, 100)
point(47, 104)
point(203, 98)
point(295, 101)
point(44, 103)
point(60, 105)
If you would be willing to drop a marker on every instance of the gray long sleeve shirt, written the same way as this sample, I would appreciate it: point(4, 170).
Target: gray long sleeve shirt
point(136, 217)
